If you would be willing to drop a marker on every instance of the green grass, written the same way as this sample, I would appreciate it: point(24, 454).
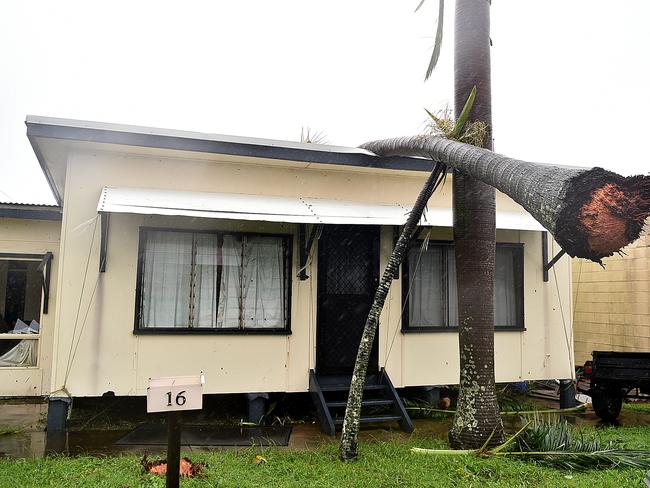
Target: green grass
point(4, 430)
point(381, 464)
point(642, 407)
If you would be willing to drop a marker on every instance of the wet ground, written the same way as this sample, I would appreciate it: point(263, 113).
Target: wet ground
point(32, 441)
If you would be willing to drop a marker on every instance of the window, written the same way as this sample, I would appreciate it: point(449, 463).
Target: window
point(21, 284)
point(431, 303)
point(213, 282)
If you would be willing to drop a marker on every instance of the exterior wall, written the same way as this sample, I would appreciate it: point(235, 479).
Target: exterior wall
point(612, 305)
point(32, 237)
point(110, 358)
point(542, 351)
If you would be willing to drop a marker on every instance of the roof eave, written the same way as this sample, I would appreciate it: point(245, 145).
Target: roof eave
point(45, 168)
point(196, 142)
point(29, 211)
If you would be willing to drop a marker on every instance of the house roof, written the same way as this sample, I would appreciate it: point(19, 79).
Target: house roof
point(41, 129)
point(30, 211)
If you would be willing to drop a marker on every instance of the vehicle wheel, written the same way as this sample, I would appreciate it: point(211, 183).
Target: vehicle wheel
point(607, 402)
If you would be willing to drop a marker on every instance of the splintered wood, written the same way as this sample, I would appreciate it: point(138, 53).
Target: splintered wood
point(613, 216)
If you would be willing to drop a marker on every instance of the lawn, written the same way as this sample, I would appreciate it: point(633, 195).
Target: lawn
point(381, 464)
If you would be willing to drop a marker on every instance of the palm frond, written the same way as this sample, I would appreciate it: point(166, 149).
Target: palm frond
point(437, 47)
point(553, 443)
point(312, 137)
point(464, 114)
point(419, 5)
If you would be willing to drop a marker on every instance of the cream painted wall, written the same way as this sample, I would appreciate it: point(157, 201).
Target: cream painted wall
point(110, 358)
point(26, 236)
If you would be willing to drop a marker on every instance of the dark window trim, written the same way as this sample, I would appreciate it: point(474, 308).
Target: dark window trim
point(46, 264)
point(137, 330)
point(23, 256)
point(519, 263)
point(417, 330)
point(209, 331)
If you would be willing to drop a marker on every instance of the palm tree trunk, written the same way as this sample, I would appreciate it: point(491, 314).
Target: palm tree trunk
point(477, 412)
point(349, 436)
point(592, 213)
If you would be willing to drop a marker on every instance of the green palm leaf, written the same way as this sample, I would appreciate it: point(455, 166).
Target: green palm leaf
point(437, 46)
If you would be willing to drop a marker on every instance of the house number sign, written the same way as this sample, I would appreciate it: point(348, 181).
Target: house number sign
point(171, 393)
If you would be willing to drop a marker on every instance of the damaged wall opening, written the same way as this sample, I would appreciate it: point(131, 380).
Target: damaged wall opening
point(21, 285)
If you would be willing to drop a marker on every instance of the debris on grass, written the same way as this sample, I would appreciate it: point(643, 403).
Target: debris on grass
point(553, 443)
point(188, 469)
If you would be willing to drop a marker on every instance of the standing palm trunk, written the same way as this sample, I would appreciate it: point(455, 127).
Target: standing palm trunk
point(477, 413)
point(348, 445)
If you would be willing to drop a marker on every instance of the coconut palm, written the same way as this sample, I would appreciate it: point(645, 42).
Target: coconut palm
point(477, 412)
point(592, 213)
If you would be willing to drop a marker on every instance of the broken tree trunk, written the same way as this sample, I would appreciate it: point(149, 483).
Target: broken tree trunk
point(592, 213)
point(349, 436)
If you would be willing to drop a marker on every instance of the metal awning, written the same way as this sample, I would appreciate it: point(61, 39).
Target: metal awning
point(303, 210)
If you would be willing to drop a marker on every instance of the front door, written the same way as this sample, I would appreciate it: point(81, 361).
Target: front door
point(348, 274)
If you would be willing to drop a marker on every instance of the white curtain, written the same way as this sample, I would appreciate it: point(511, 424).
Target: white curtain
point(166, 287)
point(228, 312)
point(426, 300)
point(249, 294)
point(263, 282)
point(429, 295)
point(205, 289)
point(22, 354)
point(505, 303)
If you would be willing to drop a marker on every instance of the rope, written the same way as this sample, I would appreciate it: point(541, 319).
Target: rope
point(83, 324)
point(73, 349)
point(423, 247)
point(564, 328)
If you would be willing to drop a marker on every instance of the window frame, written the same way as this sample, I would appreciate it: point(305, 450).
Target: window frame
point(519, 262)
point(288, 239)
point(8, 336)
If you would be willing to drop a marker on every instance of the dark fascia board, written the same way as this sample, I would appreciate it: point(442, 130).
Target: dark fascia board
point(188, 141)
point(33, 212)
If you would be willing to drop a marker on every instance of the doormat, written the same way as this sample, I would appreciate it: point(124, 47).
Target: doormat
point(206, 435)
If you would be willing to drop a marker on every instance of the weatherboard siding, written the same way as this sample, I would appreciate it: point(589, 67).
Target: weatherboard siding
point(612, 305)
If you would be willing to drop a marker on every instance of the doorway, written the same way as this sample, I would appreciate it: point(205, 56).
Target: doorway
point(348, 275)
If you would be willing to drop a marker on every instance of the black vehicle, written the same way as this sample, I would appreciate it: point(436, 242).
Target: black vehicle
point(613, 376)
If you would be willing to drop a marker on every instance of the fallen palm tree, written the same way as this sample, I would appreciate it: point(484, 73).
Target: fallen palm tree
point(552, 443)
point(592, 213)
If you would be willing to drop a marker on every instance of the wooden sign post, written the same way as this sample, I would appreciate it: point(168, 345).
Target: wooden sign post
point(174, 394)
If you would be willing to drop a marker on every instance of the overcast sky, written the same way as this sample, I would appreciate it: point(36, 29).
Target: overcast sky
point(570, 78)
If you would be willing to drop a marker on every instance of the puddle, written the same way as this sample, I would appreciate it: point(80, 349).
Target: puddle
point(33, 442)
point(23, 445)
point(25, 416)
